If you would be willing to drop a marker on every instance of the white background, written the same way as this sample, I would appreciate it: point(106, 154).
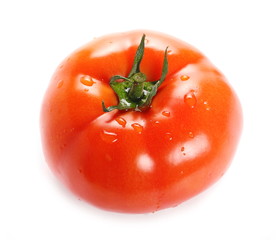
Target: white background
point(237, 36)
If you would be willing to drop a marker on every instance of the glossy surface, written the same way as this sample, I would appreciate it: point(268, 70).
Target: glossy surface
point(139, 161)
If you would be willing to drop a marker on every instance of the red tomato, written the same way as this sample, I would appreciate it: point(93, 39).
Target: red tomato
point(177, 137)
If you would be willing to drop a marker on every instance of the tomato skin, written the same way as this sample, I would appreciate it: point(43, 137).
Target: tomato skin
point(131, 161)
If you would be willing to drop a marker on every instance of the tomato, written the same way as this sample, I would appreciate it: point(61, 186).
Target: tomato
point(139, 121)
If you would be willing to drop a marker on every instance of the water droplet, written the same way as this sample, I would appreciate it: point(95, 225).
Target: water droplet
point(207, 107)
point(121, 121)
point(137, 127)
point(87, 81)
point(191, 134)
point(168, 136)
point(184, 78)
point(60, 84)
point(109, 137)
point(166, 113)
point(182, 150)
point(156, 122)
point(190, 99)
point(62, 146)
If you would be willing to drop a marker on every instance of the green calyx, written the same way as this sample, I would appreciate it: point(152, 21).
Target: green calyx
point(133, 91)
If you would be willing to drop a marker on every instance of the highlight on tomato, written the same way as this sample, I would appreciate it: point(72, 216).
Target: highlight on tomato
point(139, 121)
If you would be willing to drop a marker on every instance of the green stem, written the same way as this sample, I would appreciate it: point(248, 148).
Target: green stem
point(137, 89)
point(134, 92)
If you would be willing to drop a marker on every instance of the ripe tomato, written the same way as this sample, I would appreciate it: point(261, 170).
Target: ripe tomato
point(169, 134)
